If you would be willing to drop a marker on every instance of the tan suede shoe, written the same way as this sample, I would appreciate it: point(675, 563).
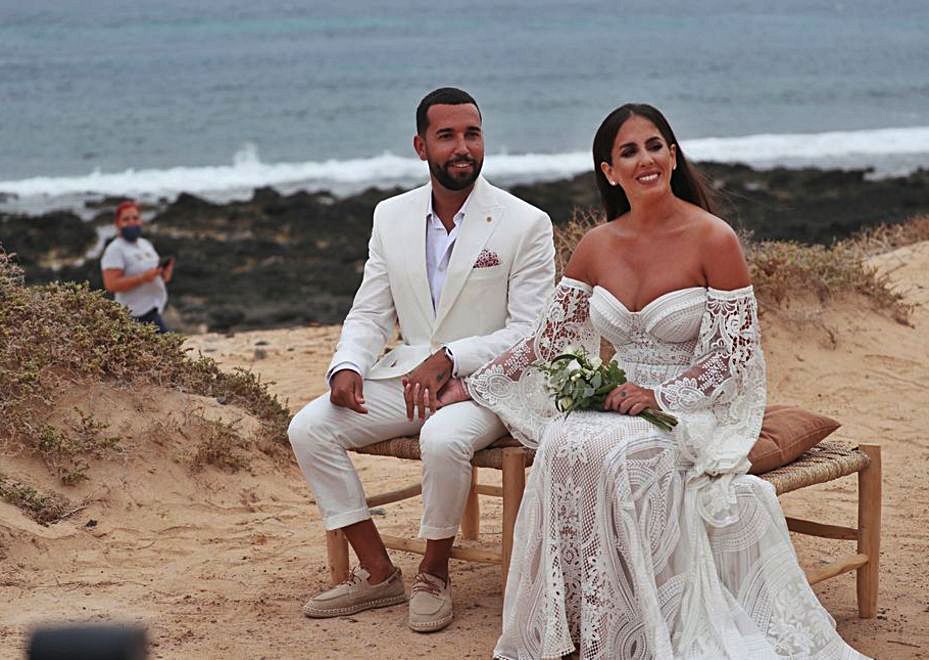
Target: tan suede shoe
point(430, 603)
point(356, 594)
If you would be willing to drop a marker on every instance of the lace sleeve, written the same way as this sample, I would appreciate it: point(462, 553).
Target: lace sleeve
point(720, 398)
point(516, 392)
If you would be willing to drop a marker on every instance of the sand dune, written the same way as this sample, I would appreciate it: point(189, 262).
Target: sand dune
point(218, 564)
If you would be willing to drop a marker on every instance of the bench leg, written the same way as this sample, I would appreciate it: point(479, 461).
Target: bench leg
point(514, 483)
point(471, 520)
point(869, 531)
point(337, 555)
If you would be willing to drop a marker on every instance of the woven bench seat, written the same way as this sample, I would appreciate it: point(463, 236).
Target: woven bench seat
point(408, 448)
point(828, 461)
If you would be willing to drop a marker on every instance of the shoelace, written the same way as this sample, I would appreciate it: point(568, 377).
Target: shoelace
point(353, 577)
point(422, 583)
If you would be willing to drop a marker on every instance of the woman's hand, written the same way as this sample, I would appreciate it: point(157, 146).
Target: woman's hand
point(150, 274)
point(453, 392)
point(630, 399)
point(167, 272)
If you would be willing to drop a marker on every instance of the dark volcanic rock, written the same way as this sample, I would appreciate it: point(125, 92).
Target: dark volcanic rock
point(560, 198)
point(108, 202)
point(807, 205)
point(267, 198)
point(55, 236)
point(277, 260)
point(813, 205)
point(272, 260)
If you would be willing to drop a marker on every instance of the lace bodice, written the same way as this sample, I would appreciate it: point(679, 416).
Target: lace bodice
point(656, 342)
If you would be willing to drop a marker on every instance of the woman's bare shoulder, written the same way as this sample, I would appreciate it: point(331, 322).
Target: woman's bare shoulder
point(585, 253)
point(721, 251)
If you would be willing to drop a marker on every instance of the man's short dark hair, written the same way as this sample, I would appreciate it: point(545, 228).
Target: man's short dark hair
point(441, 96)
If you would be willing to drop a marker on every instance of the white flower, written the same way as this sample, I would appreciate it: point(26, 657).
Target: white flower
point(573, 365)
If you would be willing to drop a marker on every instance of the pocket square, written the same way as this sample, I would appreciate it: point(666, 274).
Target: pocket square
point(486, 259)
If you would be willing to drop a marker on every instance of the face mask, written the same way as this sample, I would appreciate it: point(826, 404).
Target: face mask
point(131, 232)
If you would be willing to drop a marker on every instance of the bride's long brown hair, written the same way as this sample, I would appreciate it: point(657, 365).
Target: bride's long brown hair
point(686, 181)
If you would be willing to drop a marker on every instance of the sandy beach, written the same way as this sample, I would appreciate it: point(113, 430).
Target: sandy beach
point(147, 479)
point(218, 564)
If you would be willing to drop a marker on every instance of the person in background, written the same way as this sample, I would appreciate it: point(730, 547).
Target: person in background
point(133, 271)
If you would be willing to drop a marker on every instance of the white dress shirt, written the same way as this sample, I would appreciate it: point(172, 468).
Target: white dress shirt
point(439, 246)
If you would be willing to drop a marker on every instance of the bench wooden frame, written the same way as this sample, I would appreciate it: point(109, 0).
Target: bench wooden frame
point(827, 461)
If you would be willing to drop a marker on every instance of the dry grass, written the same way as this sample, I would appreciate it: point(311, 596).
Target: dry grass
point(569, 234)
point(66, 452)
point(884, 238)
point(781, 269)
point(221, 445)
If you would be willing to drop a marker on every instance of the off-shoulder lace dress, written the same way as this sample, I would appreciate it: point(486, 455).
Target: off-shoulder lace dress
point(636, 543)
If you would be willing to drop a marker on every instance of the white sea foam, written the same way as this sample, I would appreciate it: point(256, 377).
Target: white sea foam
point(854, 145)
point(891, 151)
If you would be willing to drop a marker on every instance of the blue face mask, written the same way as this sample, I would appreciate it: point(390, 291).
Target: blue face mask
point(131, 232)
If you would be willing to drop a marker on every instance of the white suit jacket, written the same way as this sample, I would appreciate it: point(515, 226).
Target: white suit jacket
point(482, 310)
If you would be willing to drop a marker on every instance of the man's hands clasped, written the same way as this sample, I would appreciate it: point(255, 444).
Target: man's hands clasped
point(422, 385)
point(423, 388)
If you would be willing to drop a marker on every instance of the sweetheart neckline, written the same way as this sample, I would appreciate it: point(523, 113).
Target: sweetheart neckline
point(651, 302)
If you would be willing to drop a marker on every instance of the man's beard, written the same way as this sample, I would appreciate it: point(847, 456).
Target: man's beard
point(443, 173)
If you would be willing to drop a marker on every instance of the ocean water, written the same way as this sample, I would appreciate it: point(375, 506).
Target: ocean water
point(220, 96)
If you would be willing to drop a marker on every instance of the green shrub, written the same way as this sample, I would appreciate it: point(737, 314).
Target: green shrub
point(42, 507)
point(63, 333)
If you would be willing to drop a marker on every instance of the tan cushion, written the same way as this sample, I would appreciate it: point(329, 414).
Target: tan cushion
point(787, 432)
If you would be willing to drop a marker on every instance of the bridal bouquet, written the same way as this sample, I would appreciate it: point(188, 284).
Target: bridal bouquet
point(578, 381)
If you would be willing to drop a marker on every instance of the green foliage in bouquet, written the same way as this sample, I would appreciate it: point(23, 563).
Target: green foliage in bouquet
point(578, 381)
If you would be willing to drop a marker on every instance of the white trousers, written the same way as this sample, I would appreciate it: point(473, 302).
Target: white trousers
point(321, 433)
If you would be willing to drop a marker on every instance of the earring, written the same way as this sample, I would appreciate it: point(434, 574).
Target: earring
point(611, 182)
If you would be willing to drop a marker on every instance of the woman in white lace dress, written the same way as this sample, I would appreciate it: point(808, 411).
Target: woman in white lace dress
point(632, 542)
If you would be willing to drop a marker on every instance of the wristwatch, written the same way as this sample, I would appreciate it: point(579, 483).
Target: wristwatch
point(451, 358)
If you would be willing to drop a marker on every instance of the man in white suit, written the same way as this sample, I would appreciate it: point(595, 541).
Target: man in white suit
point(464, 268)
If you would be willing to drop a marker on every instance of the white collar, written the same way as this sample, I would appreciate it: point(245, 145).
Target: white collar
point(432, 217)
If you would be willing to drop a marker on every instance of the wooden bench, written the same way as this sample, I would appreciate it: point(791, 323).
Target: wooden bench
point(829, 460)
